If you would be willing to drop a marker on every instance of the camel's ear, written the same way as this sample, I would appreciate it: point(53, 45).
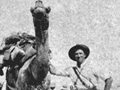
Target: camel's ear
point(48, 9)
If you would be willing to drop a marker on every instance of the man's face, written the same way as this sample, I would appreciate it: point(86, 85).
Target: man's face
point(80, 56)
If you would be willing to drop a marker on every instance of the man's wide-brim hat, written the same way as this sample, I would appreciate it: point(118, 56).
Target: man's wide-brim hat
point(72, 51)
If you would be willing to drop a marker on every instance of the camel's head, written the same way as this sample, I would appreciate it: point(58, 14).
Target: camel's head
point(40, 12)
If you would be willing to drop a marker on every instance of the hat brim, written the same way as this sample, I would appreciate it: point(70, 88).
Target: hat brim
point(72, 51)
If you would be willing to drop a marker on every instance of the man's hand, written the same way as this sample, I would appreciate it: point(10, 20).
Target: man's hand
point(108, 83)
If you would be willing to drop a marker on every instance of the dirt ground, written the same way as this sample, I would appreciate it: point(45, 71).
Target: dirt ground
point(95, 23)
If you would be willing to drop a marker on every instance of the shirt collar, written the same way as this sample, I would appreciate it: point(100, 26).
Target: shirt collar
point(82, 65)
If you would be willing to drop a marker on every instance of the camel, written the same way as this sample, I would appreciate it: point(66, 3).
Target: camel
point(33, 74)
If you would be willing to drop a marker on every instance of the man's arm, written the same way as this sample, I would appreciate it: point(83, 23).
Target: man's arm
point(108, 83)
point(54, 71)
point(106, 78)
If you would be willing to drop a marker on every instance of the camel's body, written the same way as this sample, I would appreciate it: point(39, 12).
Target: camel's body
point(34, 72)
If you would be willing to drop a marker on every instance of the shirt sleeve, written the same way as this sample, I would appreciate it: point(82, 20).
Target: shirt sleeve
point(102, 74)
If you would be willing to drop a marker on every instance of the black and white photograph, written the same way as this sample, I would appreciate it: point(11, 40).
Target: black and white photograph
point(59, 44)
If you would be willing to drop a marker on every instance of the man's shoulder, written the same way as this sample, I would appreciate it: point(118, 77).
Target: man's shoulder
point(102, 73)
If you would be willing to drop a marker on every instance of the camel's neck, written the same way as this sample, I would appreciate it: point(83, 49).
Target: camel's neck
point(39, 66)
point(41, 41)
point(42, 46)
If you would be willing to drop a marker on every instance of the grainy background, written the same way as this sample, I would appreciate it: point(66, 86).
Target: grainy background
point(95, 23)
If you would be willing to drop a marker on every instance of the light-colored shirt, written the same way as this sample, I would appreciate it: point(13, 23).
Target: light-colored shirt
point(90, 76)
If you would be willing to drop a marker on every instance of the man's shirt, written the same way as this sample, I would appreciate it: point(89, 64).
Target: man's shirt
point(89, 75)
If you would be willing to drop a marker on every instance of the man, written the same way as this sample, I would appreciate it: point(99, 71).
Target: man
point(79, 53)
